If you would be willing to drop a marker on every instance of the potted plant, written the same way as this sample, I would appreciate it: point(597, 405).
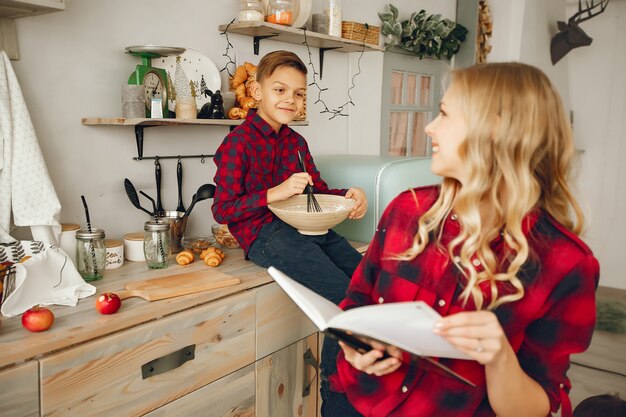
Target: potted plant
point(422, 34)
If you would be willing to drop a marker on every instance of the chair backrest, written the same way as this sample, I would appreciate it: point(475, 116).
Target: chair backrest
point(382, 178)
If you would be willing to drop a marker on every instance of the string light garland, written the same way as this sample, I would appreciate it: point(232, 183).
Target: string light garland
point(339, 111)
point(226, 54)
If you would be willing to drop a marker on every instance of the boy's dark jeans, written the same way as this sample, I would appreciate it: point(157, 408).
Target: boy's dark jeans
point(323, 263)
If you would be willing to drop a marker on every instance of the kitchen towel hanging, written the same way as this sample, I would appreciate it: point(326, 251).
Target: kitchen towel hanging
point(26, 189)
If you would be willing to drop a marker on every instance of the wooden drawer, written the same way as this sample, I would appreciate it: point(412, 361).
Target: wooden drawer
point(279, 321)
point(282, 379)
point(104, 377)
point(230, 396)
point(19, 391)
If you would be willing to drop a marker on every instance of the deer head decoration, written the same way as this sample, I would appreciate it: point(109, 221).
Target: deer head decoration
point(570, 34)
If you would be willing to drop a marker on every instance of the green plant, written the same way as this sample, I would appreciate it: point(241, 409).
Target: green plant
point(422, 35)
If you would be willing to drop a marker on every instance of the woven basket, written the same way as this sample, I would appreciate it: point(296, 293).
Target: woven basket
point(357, 32)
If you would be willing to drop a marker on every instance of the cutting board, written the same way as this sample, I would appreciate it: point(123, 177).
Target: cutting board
point(177, 285)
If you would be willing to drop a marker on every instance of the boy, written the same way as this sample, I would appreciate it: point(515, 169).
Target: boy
point(257, 164)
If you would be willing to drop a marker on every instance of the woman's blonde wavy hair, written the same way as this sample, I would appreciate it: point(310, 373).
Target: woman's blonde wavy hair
point(518, 152)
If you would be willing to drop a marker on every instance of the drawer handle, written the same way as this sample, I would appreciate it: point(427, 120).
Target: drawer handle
point(168, 362)
point(309, 360)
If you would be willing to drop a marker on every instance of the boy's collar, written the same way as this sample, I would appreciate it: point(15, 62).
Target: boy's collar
point(262, 125)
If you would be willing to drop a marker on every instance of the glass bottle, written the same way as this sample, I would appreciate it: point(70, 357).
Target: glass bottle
point(332, 9)
point(157, 244)
point(251, 11)
point(280, 12)
point(90, 253)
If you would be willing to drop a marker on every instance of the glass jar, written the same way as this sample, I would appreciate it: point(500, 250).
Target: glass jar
point(332, 9)
point(251, 11)
point(90, 253)
point(156, 244)
point(280, 12)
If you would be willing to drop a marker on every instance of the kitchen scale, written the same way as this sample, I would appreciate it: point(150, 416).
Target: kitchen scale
point(153, 79)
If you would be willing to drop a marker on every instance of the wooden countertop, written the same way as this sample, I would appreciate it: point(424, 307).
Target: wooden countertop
point(74, 325)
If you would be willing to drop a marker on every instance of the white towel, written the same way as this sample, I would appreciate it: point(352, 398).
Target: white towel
point(48, 277)
point(26, 190)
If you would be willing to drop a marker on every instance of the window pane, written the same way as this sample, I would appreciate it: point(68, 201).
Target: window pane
point(396, 87)
point(420, 141)
point(397, 133)
point(425, 82)
point(411, 89)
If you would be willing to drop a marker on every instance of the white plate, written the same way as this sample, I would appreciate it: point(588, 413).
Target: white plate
point(196, 67)
point(301, 11)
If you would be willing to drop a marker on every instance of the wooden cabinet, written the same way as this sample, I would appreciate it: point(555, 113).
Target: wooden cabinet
point(244, 350)
point(19, 391)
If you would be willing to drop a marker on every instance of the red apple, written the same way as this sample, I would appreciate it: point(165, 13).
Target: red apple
point(37, 319)
point(108, 303)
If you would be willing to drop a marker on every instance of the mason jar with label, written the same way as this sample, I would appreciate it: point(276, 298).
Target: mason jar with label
point(157, 244)
point(90, 253)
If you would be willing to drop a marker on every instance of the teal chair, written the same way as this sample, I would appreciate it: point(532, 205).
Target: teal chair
point(381, 177)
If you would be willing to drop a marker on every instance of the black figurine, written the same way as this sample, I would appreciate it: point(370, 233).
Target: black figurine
point(214, 109)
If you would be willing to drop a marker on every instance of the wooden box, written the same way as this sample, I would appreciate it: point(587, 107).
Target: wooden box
point(360, 32)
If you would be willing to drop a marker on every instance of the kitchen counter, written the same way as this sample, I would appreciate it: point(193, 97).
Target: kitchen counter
point(79, 324)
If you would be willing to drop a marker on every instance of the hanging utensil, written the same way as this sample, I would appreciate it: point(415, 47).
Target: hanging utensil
point(151, 200)
point(132, 195)
point(179, 179)
point(157, 175)
point(204, 191)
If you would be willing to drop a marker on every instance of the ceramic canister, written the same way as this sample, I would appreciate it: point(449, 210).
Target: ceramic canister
point(67, 239)
point(133, 247)
point(114, 253)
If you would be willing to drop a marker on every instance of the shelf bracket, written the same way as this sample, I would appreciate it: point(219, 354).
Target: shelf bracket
point(322, 50)
point(257, 40)
point(139, 140)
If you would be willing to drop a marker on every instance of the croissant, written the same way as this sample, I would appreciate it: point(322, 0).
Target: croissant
point(248, 103)
point(184, 257)
point(240, 93)
point(250, 68)
point(212, 259)
point(237, 113)
point(240, 77)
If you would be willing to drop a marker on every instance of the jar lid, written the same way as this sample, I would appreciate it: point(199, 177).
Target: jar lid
point(65, 227)
point(112, 243)
point(86, 234)
point(156, 225)
point(134, 236)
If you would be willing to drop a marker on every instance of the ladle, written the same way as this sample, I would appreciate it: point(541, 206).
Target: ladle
point(204, 191)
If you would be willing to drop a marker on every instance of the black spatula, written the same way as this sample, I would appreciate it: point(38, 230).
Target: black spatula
point(132, 195)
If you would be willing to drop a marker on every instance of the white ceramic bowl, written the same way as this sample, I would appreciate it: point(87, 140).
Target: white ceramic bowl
point(335, 209)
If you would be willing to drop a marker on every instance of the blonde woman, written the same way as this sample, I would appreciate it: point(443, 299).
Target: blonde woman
point(494, 249)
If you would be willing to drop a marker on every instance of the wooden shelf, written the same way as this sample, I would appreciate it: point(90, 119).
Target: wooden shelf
point(294, 35)
point(22, 8)
point(120, 121)
point(140, 124)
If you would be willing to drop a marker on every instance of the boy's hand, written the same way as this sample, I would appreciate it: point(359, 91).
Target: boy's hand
point(291, 186)
point(360, 206)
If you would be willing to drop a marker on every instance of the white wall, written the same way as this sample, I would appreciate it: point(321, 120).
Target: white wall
point(598, 98)
point(73, 64)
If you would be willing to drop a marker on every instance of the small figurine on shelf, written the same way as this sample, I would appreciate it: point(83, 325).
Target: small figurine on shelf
point(214, 109)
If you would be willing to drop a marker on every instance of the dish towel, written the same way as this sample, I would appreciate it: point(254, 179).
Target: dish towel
point(45, 276)
point(26, 190)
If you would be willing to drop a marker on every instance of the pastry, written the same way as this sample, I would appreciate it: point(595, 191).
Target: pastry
point(184, 257)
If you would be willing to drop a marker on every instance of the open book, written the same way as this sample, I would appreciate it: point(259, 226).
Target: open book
point(407, 326)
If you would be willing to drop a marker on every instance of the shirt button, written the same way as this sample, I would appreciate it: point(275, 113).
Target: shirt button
point(457, 259)
point(404, 389)
point(561, 386)
point(454, 217)
point(381, 300)
point(442, 302)
point(476, 262)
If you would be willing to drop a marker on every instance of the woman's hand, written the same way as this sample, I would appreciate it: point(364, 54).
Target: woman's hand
point(291, 186)
point(476, 333)
point(370, 362)
point(360, 205)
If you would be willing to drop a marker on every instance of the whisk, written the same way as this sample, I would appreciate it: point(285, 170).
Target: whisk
point(311, 202)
